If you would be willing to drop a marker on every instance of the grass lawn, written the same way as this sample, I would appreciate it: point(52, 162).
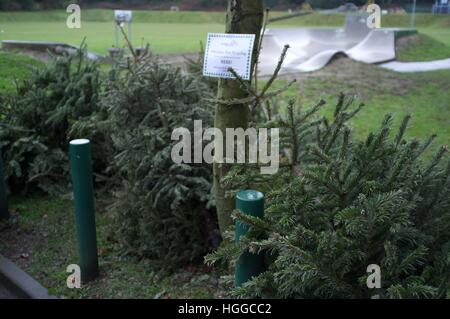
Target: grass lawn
point(422, 47)
point(163, 37)
point(14, 67)
point(167, 32)
point(426, 96)
point(172, 32)
point(440, 34)
point(47, 245)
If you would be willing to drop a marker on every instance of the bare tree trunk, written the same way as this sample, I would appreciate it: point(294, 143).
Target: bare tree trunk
point(243, 17)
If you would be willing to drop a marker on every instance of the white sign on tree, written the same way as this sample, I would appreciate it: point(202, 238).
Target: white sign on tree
point(225, 51)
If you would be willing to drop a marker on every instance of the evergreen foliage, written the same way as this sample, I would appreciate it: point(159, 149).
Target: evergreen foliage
point(340, 205)
point(160, 207)
point(37, 121)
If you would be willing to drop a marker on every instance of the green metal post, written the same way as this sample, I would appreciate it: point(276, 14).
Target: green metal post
point(4, 213)
point(83, 190)
point(251, 203)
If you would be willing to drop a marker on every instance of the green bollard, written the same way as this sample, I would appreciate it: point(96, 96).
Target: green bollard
point(4, 213)
point(83, 190)
point(251, 203)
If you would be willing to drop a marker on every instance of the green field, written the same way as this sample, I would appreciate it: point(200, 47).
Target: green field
point(14, 67)
point(171, 32)
point(425, 96)
point(422, 48)
point(167, 32)
point(163, 37)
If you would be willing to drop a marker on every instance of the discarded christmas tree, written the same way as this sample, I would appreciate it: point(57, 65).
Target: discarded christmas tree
point(340, 205)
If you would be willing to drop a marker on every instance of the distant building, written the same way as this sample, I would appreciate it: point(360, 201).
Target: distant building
point(441, 6)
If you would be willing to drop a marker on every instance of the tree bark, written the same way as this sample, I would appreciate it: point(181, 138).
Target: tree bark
point(243, 17)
